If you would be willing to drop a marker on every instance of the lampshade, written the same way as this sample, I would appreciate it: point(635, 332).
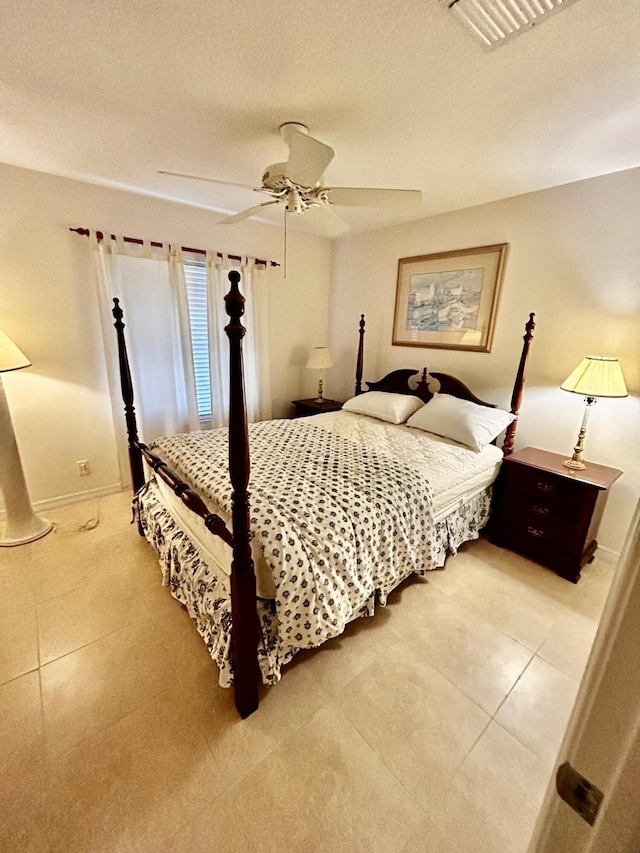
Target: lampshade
point(597, 376)
point(11, 358)
point(319, 358)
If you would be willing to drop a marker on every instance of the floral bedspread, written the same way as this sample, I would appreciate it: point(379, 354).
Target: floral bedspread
point(340, 525)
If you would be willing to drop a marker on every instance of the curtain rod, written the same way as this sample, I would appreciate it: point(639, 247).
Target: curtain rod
point(85, 232)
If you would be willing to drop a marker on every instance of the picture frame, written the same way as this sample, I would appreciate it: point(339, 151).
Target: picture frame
point(449, 300)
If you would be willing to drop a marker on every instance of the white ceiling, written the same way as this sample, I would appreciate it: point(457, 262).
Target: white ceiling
point(110, 92)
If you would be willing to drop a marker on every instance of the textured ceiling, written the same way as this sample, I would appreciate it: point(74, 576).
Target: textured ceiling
point(110, 92)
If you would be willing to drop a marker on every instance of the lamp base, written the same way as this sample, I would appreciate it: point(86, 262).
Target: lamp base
point(22, 525)
point(574, 464)
point(37, 529)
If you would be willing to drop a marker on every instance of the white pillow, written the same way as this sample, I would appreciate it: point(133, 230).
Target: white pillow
point(461, 420)
point(394, 408)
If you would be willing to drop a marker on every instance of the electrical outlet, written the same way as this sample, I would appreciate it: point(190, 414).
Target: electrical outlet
point(83, 467)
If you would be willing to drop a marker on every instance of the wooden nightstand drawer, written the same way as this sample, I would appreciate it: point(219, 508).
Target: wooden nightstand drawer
point(548, 495)
point(531, 531)
point(549, 513)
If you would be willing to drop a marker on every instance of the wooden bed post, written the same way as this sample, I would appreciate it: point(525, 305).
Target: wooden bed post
point(135, 456)
point(360, 361)
point(245, 629)
point(516, 397)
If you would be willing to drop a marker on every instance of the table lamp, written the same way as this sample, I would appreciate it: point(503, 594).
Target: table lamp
point(22, 524)
point(595, 376)
point(319, 359)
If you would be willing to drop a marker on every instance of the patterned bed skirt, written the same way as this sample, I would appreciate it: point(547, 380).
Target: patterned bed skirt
point(203, 588)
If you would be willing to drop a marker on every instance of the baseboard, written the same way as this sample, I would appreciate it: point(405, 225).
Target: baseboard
point(76, 497)
point(609, 552)
point(64, 500)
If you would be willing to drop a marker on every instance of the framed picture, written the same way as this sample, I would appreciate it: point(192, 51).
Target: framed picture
point(449, 300)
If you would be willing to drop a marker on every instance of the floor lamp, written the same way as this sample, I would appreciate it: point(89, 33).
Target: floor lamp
point(22, 524)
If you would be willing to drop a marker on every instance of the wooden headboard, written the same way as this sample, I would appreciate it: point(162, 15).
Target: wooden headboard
point(398, 382)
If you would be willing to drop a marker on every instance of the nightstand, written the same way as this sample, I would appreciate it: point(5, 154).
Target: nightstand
point(548, 512)
point(304, 408)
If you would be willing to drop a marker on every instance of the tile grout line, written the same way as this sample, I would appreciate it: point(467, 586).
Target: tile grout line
point(115, 630)
point(533, 655)
point(457, 686)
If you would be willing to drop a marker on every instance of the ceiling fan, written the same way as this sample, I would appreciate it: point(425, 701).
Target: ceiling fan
point(298, 184)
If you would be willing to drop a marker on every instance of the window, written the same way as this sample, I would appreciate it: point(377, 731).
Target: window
point(196, 280)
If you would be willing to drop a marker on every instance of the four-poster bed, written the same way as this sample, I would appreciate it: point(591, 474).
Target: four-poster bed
point(342, 511)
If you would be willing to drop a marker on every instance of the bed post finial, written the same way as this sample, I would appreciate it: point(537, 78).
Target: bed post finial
point(245, 629)
point(126, 385)
point(360, 361)
point(518, 387)
point(422, 389)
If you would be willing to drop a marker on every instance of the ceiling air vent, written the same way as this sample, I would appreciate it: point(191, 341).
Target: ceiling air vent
point(497, 21)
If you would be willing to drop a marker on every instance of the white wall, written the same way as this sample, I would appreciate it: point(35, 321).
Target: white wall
point(574, 259)
point(60, 406)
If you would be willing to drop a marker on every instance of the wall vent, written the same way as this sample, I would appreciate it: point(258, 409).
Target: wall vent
point(497, 21)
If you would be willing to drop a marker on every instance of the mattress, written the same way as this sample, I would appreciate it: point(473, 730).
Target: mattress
point(456, 474)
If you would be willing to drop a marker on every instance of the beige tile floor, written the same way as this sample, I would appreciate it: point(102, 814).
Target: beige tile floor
point(432, 727)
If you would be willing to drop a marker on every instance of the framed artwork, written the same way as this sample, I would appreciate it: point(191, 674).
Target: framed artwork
point(449, 300)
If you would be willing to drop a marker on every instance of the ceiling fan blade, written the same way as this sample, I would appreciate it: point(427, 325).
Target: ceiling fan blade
point(325, 220)
point(361, 196)
point(245, 214)
point(308, 158)
point(211, 180)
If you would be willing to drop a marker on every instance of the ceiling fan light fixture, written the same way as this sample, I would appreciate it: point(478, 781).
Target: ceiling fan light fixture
point(494, 22)
point(295, 202)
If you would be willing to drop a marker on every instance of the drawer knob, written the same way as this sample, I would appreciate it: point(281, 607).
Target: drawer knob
point(533, 531)
point(545, 487)
point(540, 510)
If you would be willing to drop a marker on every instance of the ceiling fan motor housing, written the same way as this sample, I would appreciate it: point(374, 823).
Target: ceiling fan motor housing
point(274, 177)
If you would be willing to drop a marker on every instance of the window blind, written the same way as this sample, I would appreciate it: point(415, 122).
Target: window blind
point(195, 275)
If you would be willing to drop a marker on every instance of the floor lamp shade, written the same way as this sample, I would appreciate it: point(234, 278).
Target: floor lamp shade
point(22, 524)
point(595, 376)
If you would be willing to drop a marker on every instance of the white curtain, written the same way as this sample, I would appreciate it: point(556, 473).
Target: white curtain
point(255, 287)
point(149, 283)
